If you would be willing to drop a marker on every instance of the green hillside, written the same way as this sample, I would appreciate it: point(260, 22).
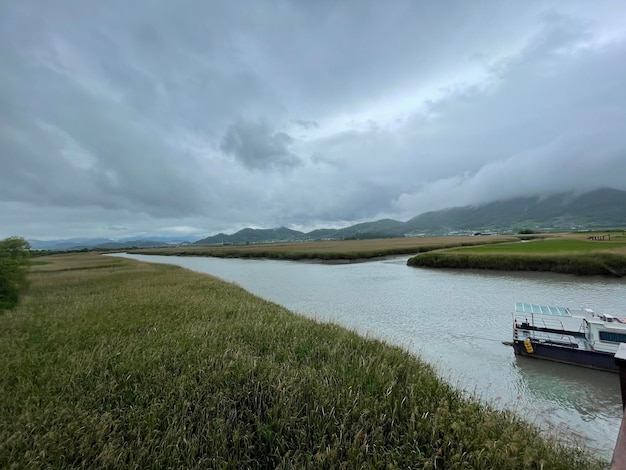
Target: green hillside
point(599, 209)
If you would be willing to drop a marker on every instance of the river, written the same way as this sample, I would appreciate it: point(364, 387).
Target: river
point(455, 320)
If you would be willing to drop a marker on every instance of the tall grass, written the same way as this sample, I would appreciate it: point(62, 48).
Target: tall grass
point(560, 256)
point(111, 363)
point(344, 250)
point(548, 247)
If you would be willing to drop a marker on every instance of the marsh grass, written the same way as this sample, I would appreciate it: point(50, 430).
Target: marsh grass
point(565, 255)
point(344, 250)
point(554, 246)
point(111, 363)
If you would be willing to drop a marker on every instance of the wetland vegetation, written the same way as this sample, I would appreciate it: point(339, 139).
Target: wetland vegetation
point(113, 363)
point(568, 253)
point(583, 254)
point(331, 250)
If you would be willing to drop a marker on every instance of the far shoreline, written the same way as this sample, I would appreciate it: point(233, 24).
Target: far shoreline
point(564, 253)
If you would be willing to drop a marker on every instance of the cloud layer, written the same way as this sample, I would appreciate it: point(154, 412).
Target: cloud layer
point(198, 117)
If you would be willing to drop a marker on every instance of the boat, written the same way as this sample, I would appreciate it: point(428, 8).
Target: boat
point(580, 337)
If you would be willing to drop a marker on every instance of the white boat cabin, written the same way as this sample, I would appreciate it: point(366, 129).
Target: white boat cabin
point(581, 328)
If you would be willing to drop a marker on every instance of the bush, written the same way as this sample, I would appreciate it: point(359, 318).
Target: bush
point(14, 265)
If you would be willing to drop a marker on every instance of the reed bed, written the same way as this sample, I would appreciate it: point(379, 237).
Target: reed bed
point(553, 246)
point(111, 363)
point(343, 250)
point(567, 256)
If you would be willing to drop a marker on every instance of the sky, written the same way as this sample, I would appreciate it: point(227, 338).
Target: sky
point(189, 118)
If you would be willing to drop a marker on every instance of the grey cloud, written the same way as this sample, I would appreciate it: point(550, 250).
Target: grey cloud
point(306, 124)
point(577, 162)
point(101, 163)
point(121, 115)
point(479, 142)
point(257, 147)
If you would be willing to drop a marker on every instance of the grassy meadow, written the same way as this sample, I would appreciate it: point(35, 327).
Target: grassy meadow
point(334, 250)
point(566, 253)
point(112, 363)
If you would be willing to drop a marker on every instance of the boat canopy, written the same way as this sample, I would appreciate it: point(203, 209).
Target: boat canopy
point(521, 307)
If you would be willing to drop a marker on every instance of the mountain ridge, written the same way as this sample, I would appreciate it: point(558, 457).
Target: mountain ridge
point(597, 209)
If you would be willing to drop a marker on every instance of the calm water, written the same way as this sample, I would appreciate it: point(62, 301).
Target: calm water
point(455, 320)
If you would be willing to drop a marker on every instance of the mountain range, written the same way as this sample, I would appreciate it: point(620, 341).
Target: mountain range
point(105, 243)
point(599, 209)
point(593, 210)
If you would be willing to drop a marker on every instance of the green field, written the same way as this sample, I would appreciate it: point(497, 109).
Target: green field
point(111, 363)
point(555, 246)
point(565, 253)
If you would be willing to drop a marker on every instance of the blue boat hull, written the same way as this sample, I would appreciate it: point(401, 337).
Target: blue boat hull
point(567, 355)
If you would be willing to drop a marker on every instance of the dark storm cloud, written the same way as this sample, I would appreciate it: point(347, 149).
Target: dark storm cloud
point(147, 116)
point(257, 147)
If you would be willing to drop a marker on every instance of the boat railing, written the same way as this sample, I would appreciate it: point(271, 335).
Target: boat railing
point(560, 337)
point(540, 322)
point(573, 342)
point(554, 324)
point(547, 323)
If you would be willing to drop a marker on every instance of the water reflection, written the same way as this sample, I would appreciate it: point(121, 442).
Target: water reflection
point(592, 393)
point(582, 405)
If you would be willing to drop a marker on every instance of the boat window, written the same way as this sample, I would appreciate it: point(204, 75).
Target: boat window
point(613, 337)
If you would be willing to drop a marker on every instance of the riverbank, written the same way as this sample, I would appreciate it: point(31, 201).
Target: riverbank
point(110, 362)
point(581, 254)
point(567, 255)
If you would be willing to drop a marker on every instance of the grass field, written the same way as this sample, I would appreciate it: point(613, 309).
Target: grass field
point(111, 363)
point(554, 246)
point(328, 250)
point(567, 253)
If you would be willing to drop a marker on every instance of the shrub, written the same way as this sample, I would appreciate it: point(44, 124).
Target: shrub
point(14, 265)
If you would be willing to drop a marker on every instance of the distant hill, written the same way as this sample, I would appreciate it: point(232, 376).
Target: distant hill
point(594, 210)
point(251, 235)
point(103, 243)
point(602, 208)
point(599, 209)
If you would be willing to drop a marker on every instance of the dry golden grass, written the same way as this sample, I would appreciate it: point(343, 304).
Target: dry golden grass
point(329, 250)
point(70, 261)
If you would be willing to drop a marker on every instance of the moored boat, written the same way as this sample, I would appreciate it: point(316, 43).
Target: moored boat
point(580, 337)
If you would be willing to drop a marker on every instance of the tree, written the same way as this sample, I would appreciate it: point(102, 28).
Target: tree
point(14, 266)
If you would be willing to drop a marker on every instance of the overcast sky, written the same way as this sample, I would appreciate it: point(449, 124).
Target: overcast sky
point(160, 117)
